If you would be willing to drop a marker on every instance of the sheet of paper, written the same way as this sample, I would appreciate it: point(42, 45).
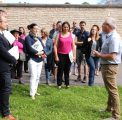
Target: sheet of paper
point(14, 51)
point(37, 46)
point(9, 36)
point(71, 56)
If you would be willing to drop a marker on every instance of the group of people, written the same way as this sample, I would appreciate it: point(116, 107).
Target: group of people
point(58, 49)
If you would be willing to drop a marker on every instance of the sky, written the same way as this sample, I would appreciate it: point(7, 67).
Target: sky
point(53, 1)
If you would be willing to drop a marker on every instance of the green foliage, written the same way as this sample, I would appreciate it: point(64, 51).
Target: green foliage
point(74, 103)
point(85, 3)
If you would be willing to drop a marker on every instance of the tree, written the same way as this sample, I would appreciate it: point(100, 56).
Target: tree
point(67, 3)
point(85, 3)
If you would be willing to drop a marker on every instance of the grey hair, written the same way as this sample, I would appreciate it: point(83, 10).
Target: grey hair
point(111, 22)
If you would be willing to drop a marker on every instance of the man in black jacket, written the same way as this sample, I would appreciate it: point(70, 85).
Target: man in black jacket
point(5, 76)
point(82, 36)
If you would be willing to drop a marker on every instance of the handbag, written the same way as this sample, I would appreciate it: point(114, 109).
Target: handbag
point(22, 56)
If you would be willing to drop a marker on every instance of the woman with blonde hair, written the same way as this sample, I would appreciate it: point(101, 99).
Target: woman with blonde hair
point(94, 42)
point(48, 46)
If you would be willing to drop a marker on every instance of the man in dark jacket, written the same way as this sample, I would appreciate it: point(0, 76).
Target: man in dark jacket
point(82, 36)
point(5, 76)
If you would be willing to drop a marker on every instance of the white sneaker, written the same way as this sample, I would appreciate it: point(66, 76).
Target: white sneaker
point(59, 87)
point(33, 97)
point(67, 86)
point(49, 83)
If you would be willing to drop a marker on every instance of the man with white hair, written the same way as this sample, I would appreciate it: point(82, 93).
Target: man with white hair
point(110, 58)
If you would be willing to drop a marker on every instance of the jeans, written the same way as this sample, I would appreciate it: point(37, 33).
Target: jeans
point(47, 73)
point(35, 69)
point(5, 89)
point(92, 63)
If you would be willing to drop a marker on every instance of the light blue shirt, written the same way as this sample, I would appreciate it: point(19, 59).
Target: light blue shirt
point(112, 44)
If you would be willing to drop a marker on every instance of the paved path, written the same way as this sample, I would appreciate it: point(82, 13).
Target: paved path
point(98, 79)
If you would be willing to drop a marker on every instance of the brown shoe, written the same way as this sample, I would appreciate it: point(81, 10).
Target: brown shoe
point(10, 117)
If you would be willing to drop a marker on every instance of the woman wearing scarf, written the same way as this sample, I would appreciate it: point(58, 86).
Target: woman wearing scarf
point(34, 48)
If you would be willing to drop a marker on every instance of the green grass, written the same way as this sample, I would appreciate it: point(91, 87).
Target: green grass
point(75, 103)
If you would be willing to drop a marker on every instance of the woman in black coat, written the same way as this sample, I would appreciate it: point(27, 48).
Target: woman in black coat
point(94, 42)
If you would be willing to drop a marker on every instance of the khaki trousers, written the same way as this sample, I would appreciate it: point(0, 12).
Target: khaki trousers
point(109, 73)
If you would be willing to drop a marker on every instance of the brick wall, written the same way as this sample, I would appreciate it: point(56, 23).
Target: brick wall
point(45, 15)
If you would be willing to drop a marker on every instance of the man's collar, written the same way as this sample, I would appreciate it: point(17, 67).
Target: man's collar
point(110, 33)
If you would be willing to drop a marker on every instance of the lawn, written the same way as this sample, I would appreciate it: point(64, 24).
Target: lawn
point(74, 103)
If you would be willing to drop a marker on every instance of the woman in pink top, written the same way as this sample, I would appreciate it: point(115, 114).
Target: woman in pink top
point(63, 45)
point(22, 36)
point(18, 68)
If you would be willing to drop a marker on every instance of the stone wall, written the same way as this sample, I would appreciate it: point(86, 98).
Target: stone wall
point(45, 15)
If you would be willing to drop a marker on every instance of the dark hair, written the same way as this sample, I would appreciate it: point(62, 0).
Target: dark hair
point(59, 22)
point(97, 34)
point(31, 26)
point(96, 27)
point(23, 30)
point(64, 24)
point(81, 22)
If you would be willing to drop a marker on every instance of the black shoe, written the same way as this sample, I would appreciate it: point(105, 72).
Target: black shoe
point(26, 71)
point(78, 78)
point(84, 79)
point(21, 81)
point(16, 77)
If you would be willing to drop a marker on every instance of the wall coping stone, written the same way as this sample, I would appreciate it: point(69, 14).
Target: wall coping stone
point(57, 5)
